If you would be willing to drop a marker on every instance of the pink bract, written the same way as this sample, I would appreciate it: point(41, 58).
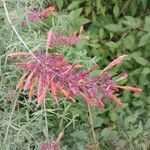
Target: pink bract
point(53, 72)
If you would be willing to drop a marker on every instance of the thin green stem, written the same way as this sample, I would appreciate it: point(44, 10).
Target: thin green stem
point(65, 111)
point(46, 123)
point(13, 27)
point(8, 126)
point(92, 129)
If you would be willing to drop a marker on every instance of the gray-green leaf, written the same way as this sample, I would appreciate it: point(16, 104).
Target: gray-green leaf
point(114, 28)
point(108, 134)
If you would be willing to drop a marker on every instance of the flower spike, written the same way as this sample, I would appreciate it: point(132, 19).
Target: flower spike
point(113, 63)
point(130, 88)
point(61, 77)
point(49, 40)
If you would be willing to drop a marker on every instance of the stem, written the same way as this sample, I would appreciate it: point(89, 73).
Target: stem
point(8, 126)
point(92, 129)
point(64, 112)
point(46, 123)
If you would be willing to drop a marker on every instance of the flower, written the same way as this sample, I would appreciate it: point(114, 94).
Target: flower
point(57, 40)
point(54, 39)
point(35, 15)
point(55, 73)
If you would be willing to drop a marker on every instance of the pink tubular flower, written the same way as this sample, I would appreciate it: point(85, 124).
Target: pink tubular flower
point(56, 40)
point(35, 15)
point(122, 76)
point(18, 54)
point(49, 40)
point(113, 63)
point(53, 72)
point(137, 90)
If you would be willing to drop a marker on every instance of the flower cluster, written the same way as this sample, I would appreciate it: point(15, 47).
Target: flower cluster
point(35, 15)
point(56, 40)
point(53, 72)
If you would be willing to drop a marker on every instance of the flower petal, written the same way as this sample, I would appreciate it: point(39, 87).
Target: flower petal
point(41, 98)
point(21, 80)
point(130, 88)
point(113, 63)
point(87, 99)
point(49, 39)
point(93, 67)
point(65, 92)
point(58, 138)
point(116, 100)
point(122, 76)
point(28, 81)
point(99, 102)
point(46, 12)
point(53, 89)
point(22, 65)
point(40, 87)
point(31, 92)
point(76, 66)
point(15, 54)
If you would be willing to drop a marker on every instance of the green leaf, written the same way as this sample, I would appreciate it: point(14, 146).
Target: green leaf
point(73, 5)
point(98, 122)
point(144, 80)
point(114, 28)
point(121, 143)
point(101, 33)
point(76, 13)
point(59, 3)
point(133, 7)
point(108, 134)
point(137, 131)
point(129, 42)
point(100, 7)
point(113, 45)
point(144, 4)
point(81, 21)
point(132, 22)
point(142, 146)
point(130, 119)
point(88, 10)
point(113, 115)
point(146, 71)
point(147, 124)
point(81, 134)
point(81, 45)
point(144, 40)
point(116, 10)
point(138, 58)
point(147, 24)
